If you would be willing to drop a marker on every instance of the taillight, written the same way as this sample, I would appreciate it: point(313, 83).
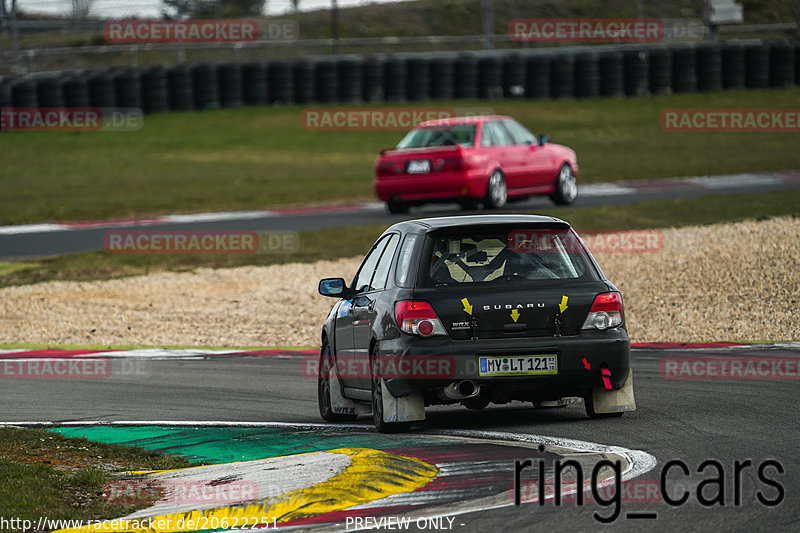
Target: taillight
point(606, 312)
point(418, 318)
point(389, 168)
point(443, 164)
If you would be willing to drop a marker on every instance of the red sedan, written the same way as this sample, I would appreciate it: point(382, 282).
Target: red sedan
point(487, 160)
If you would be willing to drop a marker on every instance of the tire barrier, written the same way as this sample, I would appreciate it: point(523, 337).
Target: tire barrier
point(797, 64)
point(229, 76)
point(733, 66)
point(394, 82)
point(587, 75)
point(637, 79)
point(101, 90)
point(466, 77)
point(326, 81)
point(76, 91)
point(127, 88)
point(537, 77)
point(612, 75)
point(610, 72)
point(490, 77)
point(660, 70)
point(443, 71)
point(50, 92)
point(709, 68)
point(281, 83)
point(562, 76)
point(180, 88)
point(254, 83)
point(155, 97)
point(756, 63)
point(418, 79)
point(684, 70)
point(23, 93)
point(373, 74)
point(350, 71)
point(514, 78)
point(204, 83)
point(781, 66)
point(303, 76)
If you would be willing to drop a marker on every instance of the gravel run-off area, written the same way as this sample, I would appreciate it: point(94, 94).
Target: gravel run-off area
point(721, 282)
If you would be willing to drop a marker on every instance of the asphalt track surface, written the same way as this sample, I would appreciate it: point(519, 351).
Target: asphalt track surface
point(19, 242)
point(691, 421)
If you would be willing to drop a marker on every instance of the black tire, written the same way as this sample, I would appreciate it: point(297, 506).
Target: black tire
point(397, 207)
point(377, 404)
point(496, 191)
point(324, 388)
point(588, 402)
point(566, 186)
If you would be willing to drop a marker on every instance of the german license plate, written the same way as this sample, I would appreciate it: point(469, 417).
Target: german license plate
point(517, 365)
point(422, 166)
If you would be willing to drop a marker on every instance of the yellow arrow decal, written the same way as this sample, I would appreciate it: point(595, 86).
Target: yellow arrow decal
point(563, 305)
point(467, 306)
point(515, 315)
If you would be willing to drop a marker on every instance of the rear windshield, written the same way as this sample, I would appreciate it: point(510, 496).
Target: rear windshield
point(463, 134)
point(511, 256)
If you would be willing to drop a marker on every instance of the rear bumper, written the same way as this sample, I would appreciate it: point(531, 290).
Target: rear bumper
point(581, 359)
point(433, 186)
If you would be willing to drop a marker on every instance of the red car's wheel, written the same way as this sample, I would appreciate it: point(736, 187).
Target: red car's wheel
point(496, 191)
point(566, 186)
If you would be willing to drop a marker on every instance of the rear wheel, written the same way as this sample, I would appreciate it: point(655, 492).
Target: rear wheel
point(588, 402)
point(377, 403)
point(496, 191)
point(566, 186)
point(397, 207)
point(324, 387)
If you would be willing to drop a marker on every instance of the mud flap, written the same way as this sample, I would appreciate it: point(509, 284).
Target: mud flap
point(341, 405)
point(562, 402)
point(404, 409)
point(615, 401)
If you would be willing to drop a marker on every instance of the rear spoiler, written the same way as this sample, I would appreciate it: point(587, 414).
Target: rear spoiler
point(458, 147)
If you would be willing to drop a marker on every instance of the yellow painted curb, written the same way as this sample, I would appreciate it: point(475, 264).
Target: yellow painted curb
point(371, 475)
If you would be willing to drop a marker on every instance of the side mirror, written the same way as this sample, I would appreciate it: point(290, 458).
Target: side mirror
point(334, 287)
point(543, 139)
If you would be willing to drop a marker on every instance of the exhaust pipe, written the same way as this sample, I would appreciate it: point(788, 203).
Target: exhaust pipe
point(459, 390)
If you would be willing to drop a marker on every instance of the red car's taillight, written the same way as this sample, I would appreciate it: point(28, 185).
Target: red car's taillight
point(606, 312)
point(417, 318)
point(444, 164)
point(388, 168)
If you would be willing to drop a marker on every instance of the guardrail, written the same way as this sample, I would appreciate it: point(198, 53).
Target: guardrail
point(29, 60)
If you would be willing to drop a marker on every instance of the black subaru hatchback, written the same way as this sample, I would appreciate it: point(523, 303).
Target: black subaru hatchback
point(473, 310)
